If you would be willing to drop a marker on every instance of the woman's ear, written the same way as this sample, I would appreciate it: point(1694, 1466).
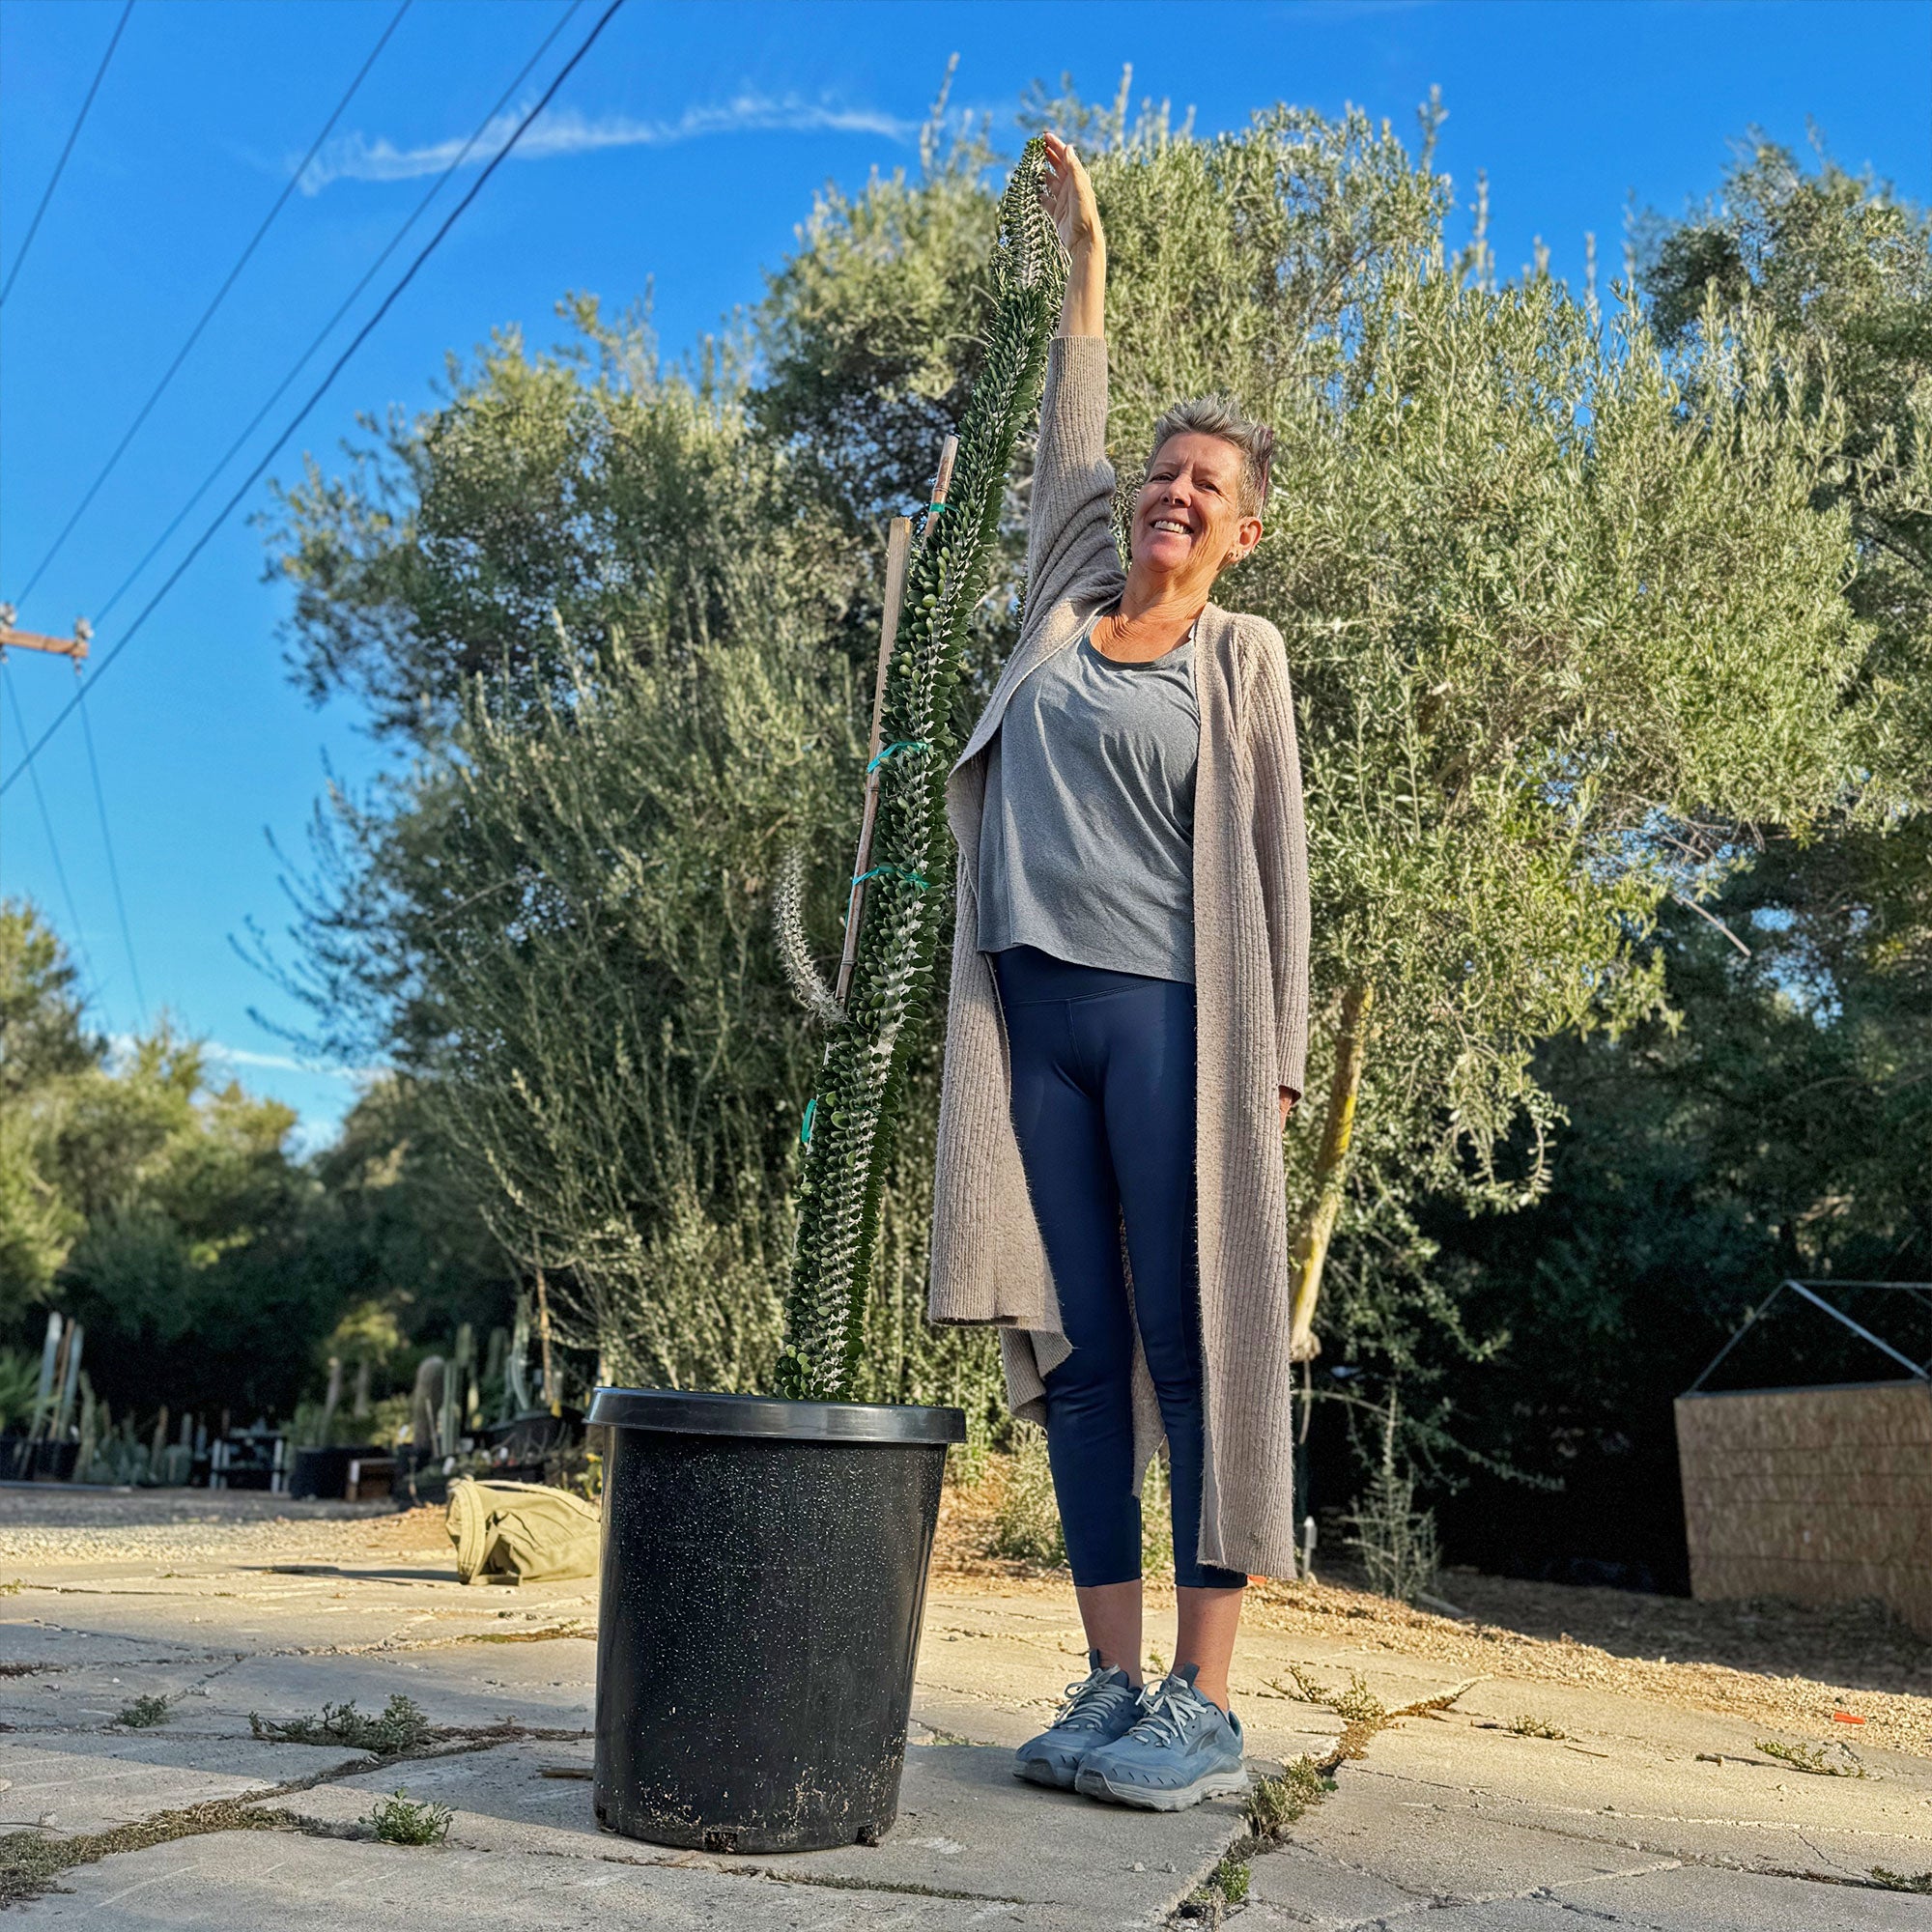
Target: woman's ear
point(1247, 534)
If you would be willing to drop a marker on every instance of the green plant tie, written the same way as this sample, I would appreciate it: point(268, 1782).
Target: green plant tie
point(903, 745)
point(905, 872)
point(935, 509)
point(805, 1125)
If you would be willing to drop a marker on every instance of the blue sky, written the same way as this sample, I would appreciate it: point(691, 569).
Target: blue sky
point(684, 150)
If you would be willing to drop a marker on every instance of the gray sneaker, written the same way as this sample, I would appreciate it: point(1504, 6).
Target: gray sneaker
point(1181, 1749)
point(1100, 1707)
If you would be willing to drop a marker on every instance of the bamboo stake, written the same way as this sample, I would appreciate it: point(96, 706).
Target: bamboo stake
point(1338, 1131)
point(551, 1399)
point(898, 551)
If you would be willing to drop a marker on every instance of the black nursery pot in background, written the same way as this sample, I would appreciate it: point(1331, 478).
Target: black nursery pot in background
point(764, 1577)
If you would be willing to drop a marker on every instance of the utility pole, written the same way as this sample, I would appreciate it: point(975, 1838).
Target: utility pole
point(75, 648)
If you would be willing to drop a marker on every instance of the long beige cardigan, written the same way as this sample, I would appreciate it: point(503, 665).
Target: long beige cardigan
point(1251, 988)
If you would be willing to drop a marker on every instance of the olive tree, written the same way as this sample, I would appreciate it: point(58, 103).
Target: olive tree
point(1561, 617)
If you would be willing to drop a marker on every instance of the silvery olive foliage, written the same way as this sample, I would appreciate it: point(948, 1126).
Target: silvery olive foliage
point(851, 1121)
point(1564, 613)
point(1564, 609)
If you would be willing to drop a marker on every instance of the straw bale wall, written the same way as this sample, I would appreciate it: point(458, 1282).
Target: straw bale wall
point(1822, 1495)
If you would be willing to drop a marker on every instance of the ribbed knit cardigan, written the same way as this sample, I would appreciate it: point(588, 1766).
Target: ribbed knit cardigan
point(1251, 1003)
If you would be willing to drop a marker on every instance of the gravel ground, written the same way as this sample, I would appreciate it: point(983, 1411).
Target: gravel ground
point(51, 1522)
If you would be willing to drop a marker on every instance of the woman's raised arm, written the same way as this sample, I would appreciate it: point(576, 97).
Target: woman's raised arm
point(1070, 526)
point(1069, 200)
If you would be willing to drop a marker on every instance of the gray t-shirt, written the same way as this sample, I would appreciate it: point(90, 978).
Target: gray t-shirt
point(1087, 840)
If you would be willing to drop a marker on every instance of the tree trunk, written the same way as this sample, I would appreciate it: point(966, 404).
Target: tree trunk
point(1310, 1242)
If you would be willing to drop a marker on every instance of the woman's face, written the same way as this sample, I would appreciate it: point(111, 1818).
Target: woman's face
point(1187, 518)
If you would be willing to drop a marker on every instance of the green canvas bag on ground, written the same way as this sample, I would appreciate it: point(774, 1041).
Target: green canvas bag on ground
point(521, 1532)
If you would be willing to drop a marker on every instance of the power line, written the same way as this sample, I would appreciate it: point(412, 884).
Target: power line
point(221, 296)
point(48, 826)
point(328, 328)
point(320, 389)
point(107, 840)
point(73, 134)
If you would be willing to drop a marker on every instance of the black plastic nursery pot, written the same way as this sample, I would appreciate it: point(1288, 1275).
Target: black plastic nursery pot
point(763, 1582)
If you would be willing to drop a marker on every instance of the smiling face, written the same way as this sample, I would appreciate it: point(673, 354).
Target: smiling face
point(1187, 516)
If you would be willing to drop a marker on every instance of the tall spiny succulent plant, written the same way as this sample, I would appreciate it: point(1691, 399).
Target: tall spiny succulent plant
point(849, 1126)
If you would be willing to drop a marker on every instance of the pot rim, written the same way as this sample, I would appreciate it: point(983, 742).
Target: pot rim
point(771, 1417)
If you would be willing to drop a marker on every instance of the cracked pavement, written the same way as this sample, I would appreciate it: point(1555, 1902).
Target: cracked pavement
point(1638, 1815)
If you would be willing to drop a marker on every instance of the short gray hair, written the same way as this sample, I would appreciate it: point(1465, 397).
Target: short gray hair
point(1223, 415)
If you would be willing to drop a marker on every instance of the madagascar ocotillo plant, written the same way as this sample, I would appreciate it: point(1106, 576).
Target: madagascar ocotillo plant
point(850, 1123)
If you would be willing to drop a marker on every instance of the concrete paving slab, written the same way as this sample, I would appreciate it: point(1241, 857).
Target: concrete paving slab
point(90, 1698)
point(256, 1611)
point(261, 1882)
point(966, 1824)
point(1685, 1898)
point(71, 1784)
point(1373, 1846)
point(1620, 1821)
point(1730, 1901)
point(1299, 1885)
point(546, 1686)
point(1651, 1800)
point(42, 1644)
point(550, 1685)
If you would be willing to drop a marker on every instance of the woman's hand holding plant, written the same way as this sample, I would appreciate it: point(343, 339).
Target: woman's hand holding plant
point(1069, 200)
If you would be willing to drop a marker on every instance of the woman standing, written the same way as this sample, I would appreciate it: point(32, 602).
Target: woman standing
point(1125, 1042)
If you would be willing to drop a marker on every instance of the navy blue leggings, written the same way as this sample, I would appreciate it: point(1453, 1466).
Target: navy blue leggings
point(1103, 1106)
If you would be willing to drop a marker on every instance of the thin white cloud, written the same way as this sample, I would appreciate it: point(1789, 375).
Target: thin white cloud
point(120, 1046)
point(284, 1062)
point(566, 131)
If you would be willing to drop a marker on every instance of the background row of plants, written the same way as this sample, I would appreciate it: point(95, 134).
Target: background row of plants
point(1610, 615)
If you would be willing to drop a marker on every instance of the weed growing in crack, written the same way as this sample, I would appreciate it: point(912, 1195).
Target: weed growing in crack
point(401, 1820)
point(1356, 1705)
point(1224, 1886)
point(1274, 1803)
point(543, 1635)
point(1362, 1713)
point(1814, 1760)
point(1533, 1727)
point(1892, 1881)
point(402, 1727)
point(145, 1713)
point(30, 1862)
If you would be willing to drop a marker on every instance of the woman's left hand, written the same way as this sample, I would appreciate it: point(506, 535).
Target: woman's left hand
point(1069, 195)
point(1289, 1097)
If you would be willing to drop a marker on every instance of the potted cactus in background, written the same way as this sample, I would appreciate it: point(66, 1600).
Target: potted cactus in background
point(765, 1556)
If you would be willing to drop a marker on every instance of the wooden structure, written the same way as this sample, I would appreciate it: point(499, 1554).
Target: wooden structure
point(14, 639)
point(1818, 1494)
point(1823, 1496)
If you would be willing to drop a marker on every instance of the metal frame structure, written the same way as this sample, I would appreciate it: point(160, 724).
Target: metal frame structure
point(1920, 1291)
